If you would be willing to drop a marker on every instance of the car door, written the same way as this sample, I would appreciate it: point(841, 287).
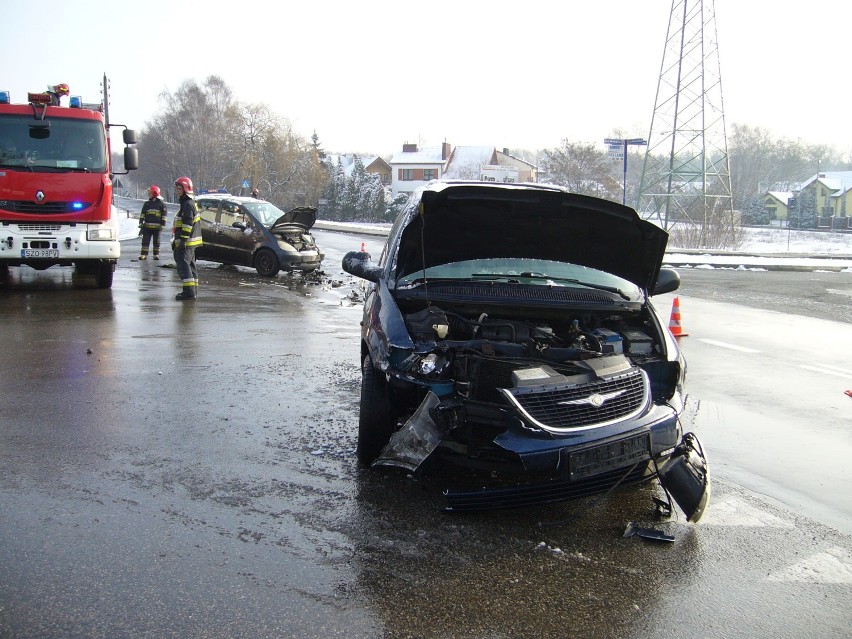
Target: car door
point(237, 242)
point(211, 248)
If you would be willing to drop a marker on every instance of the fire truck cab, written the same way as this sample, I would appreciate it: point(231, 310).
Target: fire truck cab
point(56, 185)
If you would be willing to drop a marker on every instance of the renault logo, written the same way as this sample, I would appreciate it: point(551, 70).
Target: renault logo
point(39, 196)
point(596, 399)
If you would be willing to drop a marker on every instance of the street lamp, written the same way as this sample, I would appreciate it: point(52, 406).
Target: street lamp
point(618, 146)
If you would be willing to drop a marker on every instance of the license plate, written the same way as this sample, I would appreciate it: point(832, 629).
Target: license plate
point(40, 253)
point(600, 459)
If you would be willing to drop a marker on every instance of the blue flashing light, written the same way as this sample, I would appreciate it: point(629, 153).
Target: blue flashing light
point(75, 102)
point(5, 97)
point(76, 205)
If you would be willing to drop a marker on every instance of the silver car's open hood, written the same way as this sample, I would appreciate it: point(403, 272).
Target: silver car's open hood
point(303, 215)
point(458, 221)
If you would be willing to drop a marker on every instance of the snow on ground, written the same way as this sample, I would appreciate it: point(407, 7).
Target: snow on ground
point(778, 240)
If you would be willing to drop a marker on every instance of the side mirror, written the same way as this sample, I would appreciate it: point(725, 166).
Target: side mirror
point(131, 159)
point(360, 264)
point(129, 136)
point(667, 281)
point(239, 225)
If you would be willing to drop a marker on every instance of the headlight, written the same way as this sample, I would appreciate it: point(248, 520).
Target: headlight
point(101, 234)
point(428, 364)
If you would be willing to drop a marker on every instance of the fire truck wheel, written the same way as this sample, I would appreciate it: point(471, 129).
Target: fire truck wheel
point(103, 277)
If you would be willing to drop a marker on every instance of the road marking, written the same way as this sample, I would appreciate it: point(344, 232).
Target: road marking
point(838, 292)
point(834, 566)
point(735, 512)
point(828, 370)
point(733, 347)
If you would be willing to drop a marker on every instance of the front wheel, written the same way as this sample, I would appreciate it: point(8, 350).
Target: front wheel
point(266, 263)
point(377, 420)
point(103, 276)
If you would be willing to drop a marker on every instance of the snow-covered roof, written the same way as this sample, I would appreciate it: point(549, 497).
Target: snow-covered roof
point(504, 154)
point(425, 155)
point(467, 158)
point(781, 196)
point(347, 161)
point(836, 181)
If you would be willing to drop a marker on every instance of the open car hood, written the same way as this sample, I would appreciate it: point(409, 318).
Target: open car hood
point(304, 216)
point(455, 221)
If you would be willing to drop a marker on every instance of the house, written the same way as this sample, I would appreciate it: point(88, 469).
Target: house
point(466, 162)
point(378, 166)
point(526, 172)
point(414, 166)
point(775, 203)
point(372, 164)
point(831, 195)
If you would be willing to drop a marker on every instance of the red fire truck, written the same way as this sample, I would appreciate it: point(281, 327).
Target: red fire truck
point(56, 182)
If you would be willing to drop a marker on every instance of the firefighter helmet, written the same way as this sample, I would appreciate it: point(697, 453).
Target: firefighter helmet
point(61, 89)
point(154, 190)
point(185, 183)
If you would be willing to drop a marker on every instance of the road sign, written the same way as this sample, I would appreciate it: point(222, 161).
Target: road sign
point(246, 184)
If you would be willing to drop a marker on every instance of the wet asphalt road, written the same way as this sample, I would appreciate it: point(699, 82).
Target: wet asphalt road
point(188, 470)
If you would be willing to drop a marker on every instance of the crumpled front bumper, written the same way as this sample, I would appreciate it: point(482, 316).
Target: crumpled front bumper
point(534, 466)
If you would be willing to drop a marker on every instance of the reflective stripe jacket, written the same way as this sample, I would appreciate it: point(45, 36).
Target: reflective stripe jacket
point(188, 222)
point(154, 214)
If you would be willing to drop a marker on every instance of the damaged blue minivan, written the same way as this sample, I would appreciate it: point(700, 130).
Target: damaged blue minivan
point(508, 335)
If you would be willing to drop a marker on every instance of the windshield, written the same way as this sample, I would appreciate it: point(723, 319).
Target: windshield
point(66, 145)
point(266, 212)
point(527, 271)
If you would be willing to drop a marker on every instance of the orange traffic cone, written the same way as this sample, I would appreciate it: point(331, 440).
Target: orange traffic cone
point(363, 248)
point(674, 322)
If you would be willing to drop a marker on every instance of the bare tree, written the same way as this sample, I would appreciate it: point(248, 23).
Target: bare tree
point(203, 132)
point(582, 168)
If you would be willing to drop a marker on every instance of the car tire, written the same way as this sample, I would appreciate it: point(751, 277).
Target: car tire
point(377, 421)
point(266, 263)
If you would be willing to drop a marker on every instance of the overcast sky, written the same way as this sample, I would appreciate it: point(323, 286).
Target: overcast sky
point(368, 76)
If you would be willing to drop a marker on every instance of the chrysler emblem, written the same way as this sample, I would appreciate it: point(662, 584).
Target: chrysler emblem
point(596, 399)
point(40, 196)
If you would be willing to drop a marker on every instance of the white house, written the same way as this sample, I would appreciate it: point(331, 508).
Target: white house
point(413, 166)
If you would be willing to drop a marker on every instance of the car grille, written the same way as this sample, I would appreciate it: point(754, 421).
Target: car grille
point(566, 408)
point(39, 228)
point(522, 495)
point(25, 206)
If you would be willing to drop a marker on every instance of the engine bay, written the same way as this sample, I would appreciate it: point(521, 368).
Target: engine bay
point(483, 353)
point(572, 337)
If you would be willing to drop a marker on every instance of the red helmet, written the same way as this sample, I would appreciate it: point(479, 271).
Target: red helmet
point(185, 183)
point(154, 190)
point(62, 89)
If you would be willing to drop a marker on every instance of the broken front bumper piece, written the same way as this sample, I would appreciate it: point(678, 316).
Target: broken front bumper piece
point(685, 476)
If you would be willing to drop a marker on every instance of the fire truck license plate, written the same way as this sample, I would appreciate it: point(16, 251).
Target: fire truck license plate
point(43, 253)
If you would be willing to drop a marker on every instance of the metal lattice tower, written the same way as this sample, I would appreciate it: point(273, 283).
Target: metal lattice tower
point(686, 177)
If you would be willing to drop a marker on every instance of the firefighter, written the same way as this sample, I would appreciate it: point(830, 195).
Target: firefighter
point(187, 231)
point(152, 220)
point(56, 92)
